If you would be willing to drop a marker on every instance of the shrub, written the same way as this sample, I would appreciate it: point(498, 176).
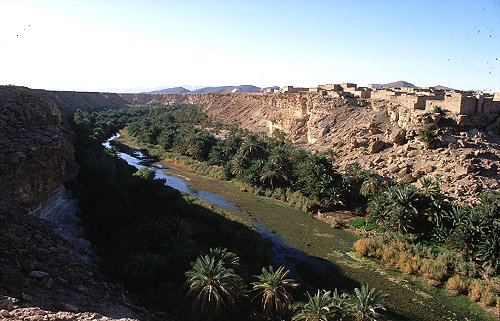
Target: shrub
point(427, 134)
point(435, 270)
point(145, 173)
point(390, 254)
point(457, 285)
point(408, 263)
point(475, 290)
point(487, 298)
point(365, 246)
point(439, 110)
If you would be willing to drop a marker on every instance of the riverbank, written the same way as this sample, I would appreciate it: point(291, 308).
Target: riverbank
point(409, 299)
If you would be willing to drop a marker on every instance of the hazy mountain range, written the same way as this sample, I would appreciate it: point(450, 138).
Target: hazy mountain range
point(206, 90)
point(402, 83)
point(254, 89)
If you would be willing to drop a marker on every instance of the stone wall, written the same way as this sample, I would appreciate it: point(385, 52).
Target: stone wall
point(491, 106)
point(452, 102)
point(468, 105)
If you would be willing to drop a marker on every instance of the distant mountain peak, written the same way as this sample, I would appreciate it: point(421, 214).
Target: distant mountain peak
point(400, 83)
point(173, 90)
point(228, 89)
point(206, 90)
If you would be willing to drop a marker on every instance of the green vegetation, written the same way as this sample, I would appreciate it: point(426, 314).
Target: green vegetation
point(146, 233)
point(367, 302)
point(324, 306)
point(273, 287)
point(214, 286)
point(164, 247)
point(362, 223)
point(269, 166)
point(149, 235)
point(427, 134)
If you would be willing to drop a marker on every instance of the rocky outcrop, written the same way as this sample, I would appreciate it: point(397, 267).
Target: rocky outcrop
point(40, 268)
point(36, 155)
point(43, 262)
point(378, 134)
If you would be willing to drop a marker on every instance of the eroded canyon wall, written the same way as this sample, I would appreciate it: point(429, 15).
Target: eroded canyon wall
point(377, 134)
point(36, 155)
point(45, 273)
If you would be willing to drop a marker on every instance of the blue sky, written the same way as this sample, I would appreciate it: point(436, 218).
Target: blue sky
point(132, 45)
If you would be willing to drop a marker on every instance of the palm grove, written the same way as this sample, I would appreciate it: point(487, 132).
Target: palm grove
point(172, 246)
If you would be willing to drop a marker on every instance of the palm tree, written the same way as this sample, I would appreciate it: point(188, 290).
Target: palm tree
point(396, 207)
point(273, 286)
point(366, 303)
point(369, 185)
point(273, 173)
point(319, 307)
point(252, 147)
point(228, 259)
point(144, 268)
point(215, 288)
point(238, 165)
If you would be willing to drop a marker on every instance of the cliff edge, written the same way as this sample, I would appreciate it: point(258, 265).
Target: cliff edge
point(379, 134)
point(45, 274)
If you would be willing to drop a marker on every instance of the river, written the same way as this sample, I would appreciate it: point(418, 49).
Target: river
point(283, 254)
point(312, 250)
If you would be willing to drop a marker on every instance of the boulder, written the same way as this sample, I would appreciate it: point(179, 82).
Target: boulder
point(472, 133)
point(7, 303)
point(376, 146)
point(5, 314)
point(398, 137)
point(450, 139)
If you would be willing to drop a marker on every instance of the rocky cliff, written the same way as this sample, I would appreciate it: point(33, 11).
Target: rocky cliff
point(41, 265)
point(377, 134)
point(36, 155)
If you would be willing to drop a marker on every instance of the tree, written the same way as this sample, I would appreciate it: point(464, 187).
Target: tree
point(369, 185)
point(397, 207)
point(315, 175)
point(273, 286)
point(366, 303)
point(228, 259)
point(214, 287)
point(319, 307)
point(238, 165)
point(145, 173)
point(252, 147)
point(272, 174)
point(427, 134)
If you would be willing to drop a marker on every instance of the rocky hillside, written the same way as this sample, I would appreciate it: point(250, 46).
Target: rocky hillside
point(375, 133)
point(46, 272)
point(36, 155)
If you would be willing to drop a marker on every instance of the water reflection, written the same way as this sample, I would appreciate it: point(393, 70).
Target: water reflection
point(137, 159)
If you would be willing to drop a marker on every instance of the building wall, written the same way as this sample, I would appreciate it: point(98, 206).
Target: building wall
point(491, 106)
point(331, 93)
point(334, 87)
point(349, 85)
point(362, 93)
point(382, 94)
point(468, 105)
point(292, 89)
